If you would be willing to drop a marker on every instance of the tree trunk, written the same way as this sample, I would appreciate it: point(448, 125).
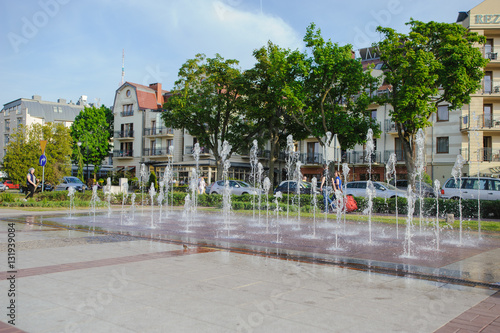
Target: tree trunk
point(407, 141)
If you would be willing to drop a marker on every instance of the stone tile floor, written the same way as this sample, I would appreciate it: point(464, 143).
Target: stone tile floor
point(75, 281)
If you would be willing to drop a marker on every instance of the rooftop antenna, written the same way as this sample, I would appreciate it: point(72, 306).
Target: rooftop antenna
point(123, 66)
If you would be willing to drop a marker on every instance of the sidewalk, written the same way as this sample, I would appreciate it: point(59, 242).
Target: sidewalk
point(74, 281)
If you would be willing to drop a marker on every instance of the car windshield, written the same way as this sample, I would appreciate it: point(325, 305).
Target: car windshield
point(390, 187)
point(73, 180)
point(243, 184)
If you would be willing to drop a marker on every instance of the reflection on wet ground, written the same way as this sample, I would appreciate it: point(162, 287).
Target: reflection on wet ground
point(471, 261)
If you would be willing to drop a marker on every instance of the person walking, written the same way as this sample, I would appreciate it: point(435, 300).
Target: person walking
point(201, 185)
point(30, 183)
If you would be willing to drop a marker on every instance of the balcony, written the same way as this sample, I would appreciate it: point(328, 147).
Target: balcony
point(481, 122)
point(260, 154)
point(158, 131)
point(485, 155)
point(399, 155)
point(123, 153)
point(127, 113)
point(390, 126)
point(491, 87)
point(357, 157)
point(126, 134)
point(311, 158)
point(189, 150)
point(156, 152)
point(491, 52)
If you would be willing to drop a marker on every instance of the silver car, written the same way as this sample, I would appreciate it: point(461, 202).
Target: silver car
point(486, 188)
point(237, 187)
point(3, 187)
point(68, 182)
point(382, 190)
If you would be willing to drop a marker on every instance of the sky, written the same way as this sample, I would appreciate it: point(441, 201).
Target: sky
point(68, 48)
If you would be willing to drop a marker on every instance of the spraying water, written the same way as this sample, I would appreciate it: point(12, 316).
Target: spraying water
point(278, 195)
point(152, 193)
point(370, 189)
point(124, 199)
point(370, 193)
point(267, 185)
point(253, 164)
point(107, 195)
point(298, 182)
point(420, 165)
point(345, 172)
point(260, 171)
point(290, 159)
point(456, 172)
point(314, 202)
point(195, 176)
point(408, 243)
point(160, 198)
point(71, 195)
point(94, 201)
point(437, 186)
point(144, 174)
point(390, 170)
point(226, 197)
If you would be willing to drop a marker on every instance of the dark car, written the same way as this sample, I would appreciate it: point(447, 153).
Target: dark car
point(427, 190)
point(290, 187)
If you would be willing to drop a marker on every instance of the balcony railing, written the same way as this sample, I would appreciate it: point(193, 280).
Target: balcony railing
point(124, 134)
point(399, 155)
point(480, 122)
point(260, 153)
point(189, 150)
point(357, 157)
point(390, 126)
point(485, 155)
point(311, 158)
point(128, 113)
point(491, 87)
point(156, 152)
point(491, 53)
point(123, 153)
point(158, 131)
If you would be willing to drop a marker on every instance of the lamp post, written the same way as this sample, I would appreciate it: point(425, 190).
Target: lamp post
point(80, 162)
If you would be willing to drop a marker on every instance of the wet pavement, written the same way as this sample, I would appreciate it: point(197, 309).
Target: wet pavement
point(132, 279)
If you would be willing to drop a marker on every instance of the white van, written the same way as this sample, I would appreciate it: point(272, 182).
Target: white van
point(486, 188)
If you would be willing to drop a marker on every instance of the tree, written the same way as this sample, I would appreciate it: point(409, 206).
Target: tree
point(23, 151)
point(206, 102)
point(432, 64)
point(333, 93)
point(264, 96)
point(91, 128)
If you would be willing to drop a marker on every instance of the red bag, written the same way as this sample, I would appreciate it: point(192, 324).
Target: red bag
point(350, 203)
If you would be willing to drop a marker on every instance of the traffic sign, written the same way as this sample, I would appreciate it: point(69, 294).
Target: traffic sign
point(42, 161)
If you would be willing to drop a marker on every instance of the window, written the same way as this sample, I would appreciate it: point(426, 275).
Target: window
point(487, 82)
point(6, 141)
point(443, 113)
point(18, 109)
point(442, 145)
point(127, 110)
point(487, 115)
point(374, 114)
point(7, 124)
point(54, 108)
point(19, 121)
point(128, 93)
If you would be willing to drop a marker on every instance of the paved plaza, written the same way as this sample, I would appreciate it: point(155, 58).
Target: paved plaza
point(79, 281)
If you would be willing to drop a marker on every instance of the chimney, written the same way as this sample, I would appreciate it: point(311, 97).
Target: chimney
point(37, 97)
point(61, 101)
point(159, 96)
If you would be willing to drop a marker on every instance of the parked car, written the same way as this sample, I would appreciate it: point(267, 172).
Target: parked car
point(427, 190)
point(486, 188)
point(290, 186)
point(237, 187)
point(68, 182)
point(11, 185)
point(382, 190)
point(207, 189)
point(3, 187)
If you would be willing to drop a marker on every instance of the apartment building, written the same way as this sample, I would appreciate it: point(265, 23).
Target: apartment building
point(24, 111)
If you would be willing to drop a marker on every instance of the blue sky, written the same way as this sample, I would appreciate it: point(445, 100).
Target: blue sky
point(67, 48)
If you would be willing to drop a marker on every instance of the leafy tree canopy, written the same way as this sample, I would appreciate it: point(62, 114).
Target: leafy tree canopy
point(23, 152)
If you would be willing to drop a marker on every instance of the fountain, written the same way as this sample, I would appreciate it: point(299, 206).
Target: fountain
point(390, 168)
point(266, 186)
point(314, 190)
point(370, 189)
point(152, 193)
point(298, 181)
point(408, 243)
point(277, 196)
point(71, 195)
point(144, 178)
point(456, 172)
point(226, 196)
point(437, 187)
point(194, 184)
point(260, 171)
point(290, 160)
point(420, 165)
point(253, 164)
point(94, 201)
point(107, 194)
point(124, 199)
point(160, 198)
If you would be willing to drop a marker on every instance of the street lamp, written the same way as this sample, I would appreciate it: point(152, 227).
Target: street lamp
point(80, 171)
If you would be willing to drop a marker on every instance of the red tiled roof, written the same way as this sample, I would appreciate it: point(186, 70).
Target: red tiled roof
point(146, 97)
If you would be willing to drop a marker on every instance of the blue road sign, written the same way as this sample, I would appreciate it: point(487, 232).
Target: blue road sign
point(43, 160)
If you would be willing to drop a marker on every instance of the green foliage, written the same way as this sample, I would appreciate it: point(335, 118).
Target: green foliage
point(433, 63)
point(333, 94)
point(23, 151)
point(7, 197)
point(152, 180)
point(92, 129)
